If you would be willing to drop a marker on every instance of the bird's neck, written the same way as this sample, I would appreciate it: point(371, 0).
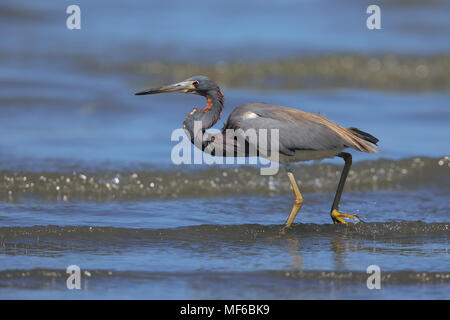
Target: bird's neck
point(204, 118)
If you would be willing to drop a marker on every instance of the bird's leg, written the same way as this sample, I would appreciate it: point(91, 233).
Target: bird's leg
point(335, 214)
point(298, 200)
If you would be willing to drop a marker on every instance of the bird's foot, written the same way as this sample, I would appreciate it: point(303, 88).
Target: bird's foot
point(337, 217)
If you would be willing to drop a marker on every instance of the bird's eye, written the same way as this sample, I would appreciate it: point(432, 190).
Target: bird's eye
point(195, 84)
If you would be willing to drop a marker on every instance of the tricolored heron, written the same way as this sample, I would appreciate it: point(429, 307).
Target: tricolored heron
point(303, 136)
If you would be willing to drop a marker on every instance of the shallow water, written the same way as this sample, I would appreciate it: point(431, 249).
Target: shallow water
point(86, 176)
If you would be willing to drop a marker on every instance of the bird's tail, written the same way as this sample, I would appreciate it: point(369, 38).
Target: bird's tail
point(369, 142)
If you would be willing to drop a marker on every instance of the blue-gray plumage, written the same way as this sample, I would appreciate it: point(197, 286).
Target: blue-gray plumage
point(303, 136)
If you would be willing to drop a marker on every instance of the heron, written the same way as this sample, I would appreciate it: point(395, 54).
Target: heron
point(303, 136)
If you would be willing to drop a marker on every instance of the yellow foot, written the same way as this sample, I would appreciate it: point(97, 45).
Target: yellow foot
point(337, 217)
point(282, 232)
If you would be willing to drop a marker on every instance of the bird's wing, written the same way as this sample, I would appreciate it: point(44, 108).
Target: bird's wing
point(298, 130)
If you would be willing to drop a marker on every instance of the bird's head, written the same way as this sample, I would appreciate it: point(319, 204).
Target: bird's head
point(195, 85)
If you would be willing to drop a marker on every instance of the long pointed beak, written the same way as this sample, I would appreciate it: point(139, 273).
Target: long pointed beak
point(184, 86)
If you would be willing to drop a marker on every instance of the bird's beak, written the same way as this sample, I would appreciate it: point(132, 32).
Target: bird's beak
point(185, 86)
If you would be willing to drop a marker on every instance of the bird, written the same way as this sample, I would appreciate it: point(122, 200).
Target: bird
point(303, 136)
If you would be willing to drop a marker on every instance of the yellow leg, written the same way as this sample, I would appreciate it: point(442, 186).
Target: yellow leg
point(337, 217)
point(298, 201)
